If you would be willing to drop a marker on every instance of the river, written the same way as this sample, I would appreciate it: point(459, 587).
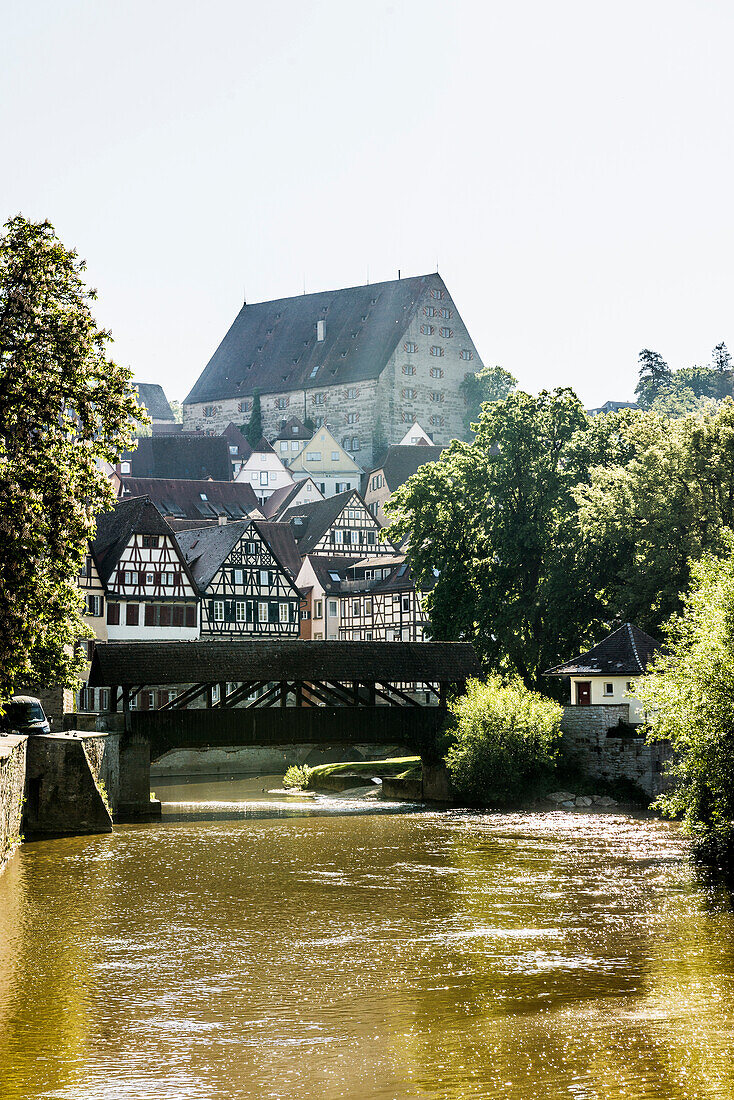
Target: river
point(532, 956)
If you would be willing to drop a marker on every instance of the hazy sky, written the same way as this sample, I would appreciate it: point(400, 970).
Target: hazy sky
point(567, 165)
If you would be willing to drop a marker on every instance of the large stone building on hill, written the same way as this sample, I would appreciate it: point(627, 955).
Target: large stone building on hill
point(397, 351)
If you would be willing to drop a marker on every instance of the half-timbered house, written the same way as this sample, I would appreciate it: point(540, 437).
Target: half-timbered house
point(95, 619)
point(244, 573)
point(149, 591)
point(338, 526)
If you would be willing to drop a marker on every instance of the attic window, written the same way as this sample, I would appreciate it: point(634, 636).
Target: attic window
point(203, 496)
point(335, 576)
point(314, 372)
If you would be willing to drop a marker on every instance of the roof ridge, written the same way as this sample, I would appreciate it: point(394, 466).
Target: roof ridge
point(633, 643)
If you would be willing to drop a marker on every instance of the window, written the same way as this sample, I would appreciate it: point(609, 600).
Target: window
point(409, 394)
point(263, 477)
point(219, 611)
point(427, 330)
point(405, 603)
point(295, 445)
point(436, 350)
point(334, 456)
point(445, 312)
point(210, 410)
point(313, 456)
point(131, 576)
point(347, 444)
point(317, 399)
point(318, 609)
point(284, 444)
point(240, 611)
point(243, 406)
point(203, 496)
point(167, 578)
point(264, 578)
point(132, 614)
point(282, 403)
point(466, 354)
point(437, 293)
point(368, 605)
point(355, 443)
point(436, 395)
point(332, 608)
point(438, 421)
point(352, 392)
point(151, 700)
point(94, 606)
point(355, 608)
point(125, 467)
point(319, 421)
point(436, 372)
point(262, 611)
point(251, 548)
point(609, 689)
point(408, 369)
point(283, 612)
point(150, 541)
point(410, 347)
point(113, 614)
point(371, 536)
point(352, 418)
point(429, 311)
point(447, 333)
point(338, 535)
point(254, 475)
point(356, 537)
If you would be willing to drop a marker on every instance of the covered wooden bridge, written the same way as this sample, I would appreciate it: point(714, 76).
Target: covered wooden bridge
point(285, 691)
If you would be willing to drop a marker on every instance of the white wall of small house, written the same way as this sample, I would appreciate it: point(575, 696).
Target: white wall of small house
point(618, 694)
point(265, 472)
point(121, 632)
point(324, 627)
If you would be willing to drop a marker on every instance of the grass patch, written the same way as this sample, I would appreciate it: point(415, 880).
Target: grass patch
point(403, 767)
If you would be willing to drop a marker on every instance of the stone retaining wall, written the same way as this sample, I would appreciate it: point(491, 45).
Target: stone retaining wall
point(587, 743)
point(12, 785)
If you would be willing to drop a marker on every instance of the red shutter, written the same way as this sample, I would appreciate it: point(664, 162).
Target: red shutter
point(150, 614)
point(132, 614)
point(190, 614)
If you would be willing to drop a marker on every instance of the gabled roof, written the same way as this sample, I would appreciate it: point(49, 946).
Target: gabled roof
point(273, 346)
point(181, 498)
point(402, 461)
point(293, 429)
point(137, 516)
point(323, 441)
point(279, 500)
point(416, 429)
point(627, 651)
point(235, 438)
point(206, 549)
point(310, 522)
point(613, 406)
point(152, 396)
point(184, 455)
point(332, 573)
point(280, 540)
point(263, 447)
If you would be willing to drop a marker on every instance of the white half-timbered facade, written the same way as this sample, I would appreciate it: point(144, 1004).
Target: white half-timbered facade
point(339, 525)
point(246, 589)
point(150, 593)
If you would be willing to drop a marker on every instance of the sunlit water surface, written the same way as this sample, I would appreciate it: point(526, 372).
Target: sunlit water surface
point(524, 956)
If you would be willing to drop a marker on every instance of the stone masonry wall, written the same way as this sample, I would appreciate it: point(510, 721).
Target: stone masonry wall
point(12, 786)
point(586, 742)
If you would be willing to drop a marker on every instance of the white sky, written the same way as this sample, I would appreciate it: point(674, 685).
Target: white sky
point(568, 164)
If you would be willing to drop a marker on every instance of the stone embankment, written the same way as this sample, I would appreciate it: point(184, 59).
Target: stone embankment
point(12, 789)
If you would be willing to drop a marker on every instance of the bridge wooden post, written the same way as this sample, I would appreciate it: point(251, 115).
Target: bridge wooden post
point(113, 698)
point(283, 692)
point(209, 696)
point(222, 694)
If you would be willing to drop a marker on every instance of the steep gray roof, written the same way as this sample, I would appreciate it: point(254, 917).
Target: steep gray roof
point(627, 651)
point(280, 540)
point(205, 549)
point(279, 500)
point(235, 438)
point(310, 522)
point(400, 463)
point(181, 498)
point(273, 346)
point(152, 396)
point(185, 455)
point(280, 659)
point(293, 429)
point(114, 530)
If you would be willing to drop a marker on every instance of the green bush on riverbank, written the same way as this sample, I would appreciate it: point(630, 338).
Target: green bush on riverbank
point(301, 777)
point(502, 740)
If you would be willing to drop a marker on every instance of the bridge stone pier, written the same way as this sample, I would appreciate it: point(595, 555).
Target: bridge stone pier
point(230, 694)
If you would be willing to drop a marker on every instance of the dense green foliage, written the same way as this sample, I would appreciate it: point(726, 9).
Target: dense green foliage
point(64, 407)
point(253, 430)
point(488, 384)
point(297, 776)
point(503, 738)
point(663, 389)
point(690, 700)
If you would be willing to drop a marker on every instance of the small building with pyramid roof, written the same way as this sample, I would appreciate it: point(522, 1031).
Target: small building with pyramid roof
point(606, 673)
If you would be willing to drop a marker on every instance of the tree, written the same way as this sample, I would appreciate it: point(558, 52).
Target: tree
point(655, 375)
point(253, 430)
point(177, 410)
point(489, 384)
point(64, 407)
point(493, 535)
point(503, 738)
point(645, 515)
point(689, 696)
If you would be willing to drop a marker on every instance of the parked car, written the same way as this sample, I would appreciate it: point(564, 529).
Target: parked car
point(24, 714)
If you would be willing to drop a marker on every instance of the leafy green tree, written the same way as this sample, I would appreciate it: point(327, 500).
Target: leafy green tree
point(253, 430)
point(493, 533)
point(689, 696)
point(177, 410)
point(64, 408)
point(655, 375)
point(503, 738)
point(644, 518)
point(489, 384)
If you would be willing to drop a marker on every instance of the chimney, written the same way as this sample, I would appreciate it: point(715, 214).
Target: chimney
point(320, 330)
point(222, 520)
point(282, 425)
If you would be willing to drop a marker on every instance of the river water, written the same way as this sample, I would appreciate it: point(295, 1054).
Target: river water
point(346, 955)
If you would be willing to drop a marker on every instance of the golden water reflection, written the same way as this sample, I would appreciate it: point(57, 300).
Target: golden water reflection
point(423, 955)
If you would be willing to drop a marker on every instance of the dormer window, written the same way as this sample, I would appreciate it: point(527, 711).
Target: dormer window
point(125, 467)
point(203, 496)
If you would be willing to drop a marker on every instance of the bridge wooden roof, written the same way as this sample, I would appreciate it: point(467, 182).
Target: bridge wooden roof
point(153, 663)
